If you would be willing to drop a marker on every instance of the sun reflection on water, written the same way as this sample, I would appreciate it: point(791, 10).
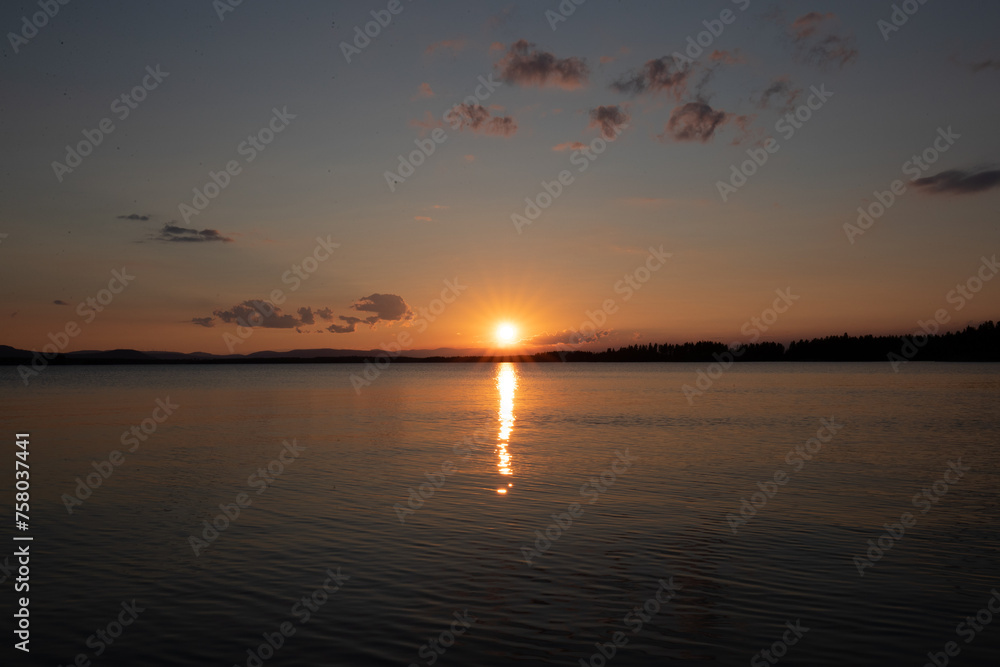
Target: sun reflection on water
point(506, 381)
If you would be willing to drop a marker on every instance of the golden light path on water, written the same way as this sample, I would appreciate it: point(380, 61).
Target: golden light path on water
point(506, 381)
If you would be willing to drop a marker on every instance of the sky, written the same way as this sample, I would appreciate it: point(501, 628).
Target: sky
point(198, 176)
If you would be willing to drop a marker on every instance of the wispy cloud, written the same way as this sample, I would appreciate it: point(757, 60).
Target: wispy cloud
point(610, 120)
point(960, 181)
point(453, 45)
point(817, 41)
point(660, 75)
point(524, 64)
point(477, 118)
point(174, 234)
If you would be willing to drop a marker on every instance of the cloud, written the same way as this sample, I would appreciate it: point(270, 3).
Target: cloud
point(423, 92)
point(256, 313)
point(780, 87)
point(611, 120)
point(453, 45)
point(569, 146)
point(477, 118)
point(206, 322)
point(175, 234)
point(728, 57)
point(60, 302)
point(469, 158)
point(423, 218)
point(817, 43)
point(566, 337)
point(661, 75)
point(959, 181)
point(350, 327)
point(525, 65)
point(306, 315)
point(325, 313)
point(134, 216)
point(990, 63)
point(387, 307)
point(694, 121)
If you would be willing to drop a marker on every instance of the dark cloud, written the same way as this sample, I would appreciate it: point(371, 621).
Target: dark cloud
point(817, 42)
point(389, 307)
point(610, 120)
point(780, 88)
point(264, 314)
point(525, 65)
point(351, 326)
point(477, 118)
point(695, 121)
point(174, 234)
point(960, 182)
point(661, 75)
point(256, 313)
point(306, 315)
point(60, 302)
point(134, 216)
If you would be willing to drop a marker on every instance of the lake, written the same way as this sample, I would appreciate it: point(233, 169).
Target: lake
point(489, 514)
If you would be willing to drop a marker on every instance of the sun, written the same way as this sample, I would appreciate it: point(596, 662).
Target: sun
point(506, 334)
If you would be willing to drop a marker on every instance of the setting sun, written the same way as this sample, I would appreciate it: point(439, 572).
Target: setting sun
point(506, 334)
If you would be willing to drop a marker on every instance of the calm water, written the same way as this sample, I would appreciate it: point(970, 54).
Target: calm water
point(538, 432)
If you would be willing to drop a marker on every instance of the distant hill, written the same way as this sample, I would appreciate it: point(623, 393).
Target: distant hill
point(980, 343)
